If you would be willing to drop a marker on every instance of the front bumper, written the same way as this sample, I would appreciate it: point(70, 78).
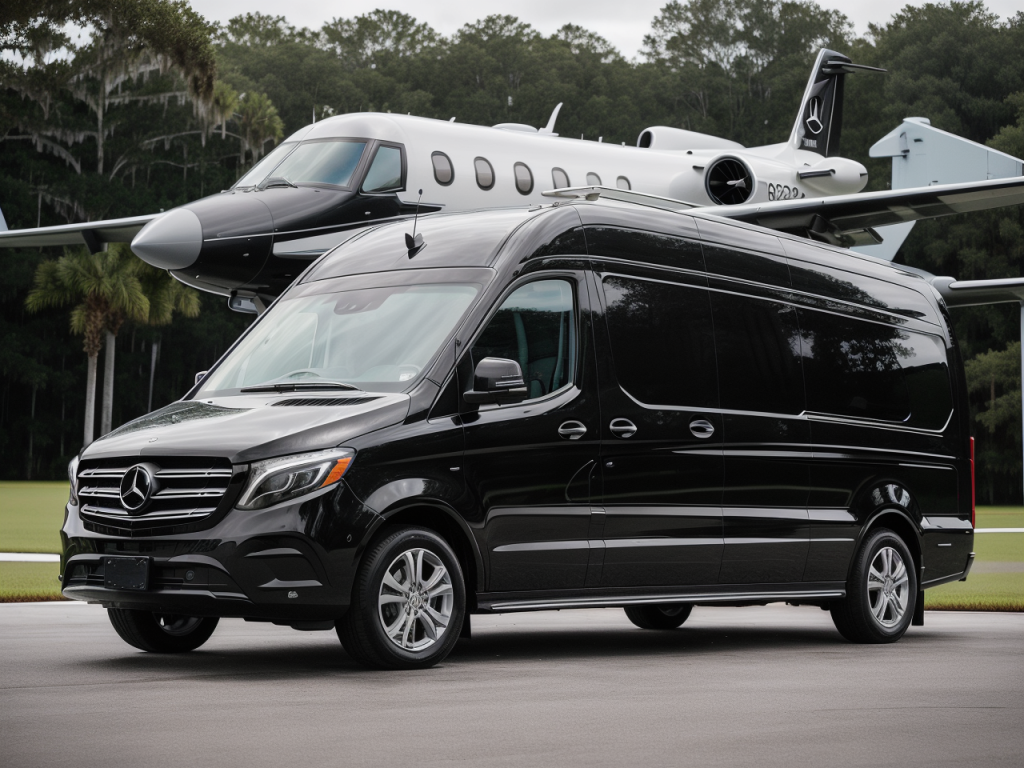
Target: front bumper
point(291, 562)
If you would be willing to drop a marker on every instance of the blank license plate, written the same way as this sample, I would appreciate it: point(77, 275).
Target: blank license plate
point(126, 572)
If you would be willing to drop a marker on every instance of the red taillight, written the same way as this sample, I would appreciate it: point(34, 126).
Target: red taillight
point(972, 482)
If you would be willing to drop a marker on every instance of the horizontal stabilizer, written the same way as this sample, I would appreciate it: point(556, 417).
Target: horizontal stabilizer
point(924, 156)
point(93, 234)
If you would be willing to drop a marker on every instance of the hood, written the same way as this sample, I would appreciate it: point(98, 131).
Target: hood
point(252, 427)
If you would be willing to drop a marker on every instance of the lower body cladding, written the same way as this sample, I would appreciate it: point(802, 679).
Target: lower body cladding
point(292, 563)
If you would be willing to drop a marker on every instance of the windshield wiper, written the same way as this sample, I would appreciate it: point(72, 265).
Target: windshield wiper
point(300, 386)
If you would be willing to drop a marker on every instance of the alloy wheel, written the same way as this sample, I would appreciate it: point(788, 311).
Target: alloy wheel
point(888, 587)
point(416, 600)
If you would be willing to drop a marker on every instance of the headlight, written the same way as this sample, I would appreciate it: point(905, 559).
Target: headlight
point(73, 479)
point(287, 477)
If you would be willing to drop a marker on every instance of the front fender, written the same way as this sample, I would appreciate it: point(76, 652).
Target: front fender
point(412, 501)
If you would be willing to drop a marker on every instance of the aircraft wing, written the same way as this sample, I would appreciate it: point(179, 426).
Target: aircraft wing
point(968, 293)
point(851, 219)
point(93, 234)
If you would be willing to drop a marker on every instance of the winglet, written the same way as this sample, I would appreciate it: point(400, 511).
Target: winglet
point(3, 222)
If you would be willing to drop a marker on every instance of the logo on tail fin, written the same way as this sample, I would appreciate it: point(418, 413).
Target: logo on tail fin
point(813, 121)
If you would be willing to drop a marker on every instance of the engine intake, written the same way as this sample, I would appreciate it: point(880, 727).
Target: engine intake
point(729, 181)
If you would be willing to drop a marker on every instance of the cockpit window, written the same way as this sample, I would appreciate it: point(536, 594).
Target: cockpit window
point(385, 175)
point(320, 162)
point(259, 171)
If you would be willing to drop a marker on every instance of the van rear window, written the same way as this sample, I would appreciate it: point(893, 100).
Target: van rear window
point(874, 371)
point(662, 341)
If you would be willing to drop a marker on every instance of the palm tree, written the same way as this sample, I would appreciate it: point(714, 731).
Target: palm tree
point(259, 122)
point(166, 296)
point(105, 291)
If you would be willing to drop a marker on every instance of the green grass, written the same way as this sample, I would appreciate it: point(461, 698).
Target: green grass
point(31, 515)
point(999, 517)
point(986, 591)
point(981, 592)
point(29, 582)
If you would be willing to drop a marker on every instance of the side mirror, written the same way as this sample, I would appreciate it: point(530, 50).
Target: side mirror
point(200, 376)
point(499, 381)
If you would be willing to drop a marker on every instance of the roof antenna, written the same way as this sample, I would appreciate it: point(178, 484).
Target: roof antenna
point(415, 242)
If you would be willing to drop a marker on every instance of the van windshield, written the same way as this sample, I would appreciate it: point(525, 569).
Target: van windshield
point(374, 339)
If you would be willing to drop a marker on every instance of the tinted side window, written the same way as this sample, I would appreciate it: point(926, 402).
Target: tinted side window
point(758, 345)
point(386, 171)
point(926, 373)
point(853, 367)
point(650, 247)
point(536, 327)
point(662, 342)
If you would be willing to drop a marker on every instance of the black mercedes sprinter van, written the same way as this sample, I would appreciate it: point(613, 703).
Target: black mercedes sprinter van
point(585, 404)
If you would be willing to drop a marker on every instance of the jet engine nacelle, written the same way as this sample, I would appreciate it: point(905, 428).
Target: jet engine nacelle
point(676, 139)
point(734, 178)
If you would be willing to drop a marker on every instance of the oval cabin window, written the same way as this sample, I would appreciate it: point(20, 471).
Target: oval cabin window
point(560, 178)
point(622, 183)
point(524, 178)
point(484, 173)
point(593, 179)
point(444, 174)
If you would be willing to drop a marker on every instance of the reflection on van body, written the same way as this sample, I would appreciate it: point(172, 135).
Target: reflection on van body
point(580, 405)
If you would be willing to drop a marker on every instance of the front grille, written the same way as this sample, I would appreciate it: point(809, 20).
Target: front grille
point(187, 491)
point(327, 401)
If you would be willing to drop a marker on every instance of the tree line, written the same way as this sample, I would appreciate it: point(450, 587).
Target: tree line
point(154, 106)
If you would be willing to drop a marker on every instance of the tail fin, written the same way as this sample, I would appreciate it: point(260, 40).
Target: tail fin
point(820, 120)
point(3, 223)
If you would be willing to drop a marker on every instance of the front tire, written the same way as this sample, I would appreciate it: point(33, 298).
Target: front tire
point(667, 616)
point(161, 632)
point(408, 603)
point(881, 594)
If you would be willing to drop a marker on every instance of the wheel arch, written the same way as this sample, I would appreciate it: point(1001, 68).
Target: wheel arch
point(445, 522)
point(900, 523)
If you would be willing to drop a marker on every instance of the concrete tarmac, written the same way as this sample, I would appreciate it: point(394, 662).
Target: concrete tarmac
point(771, 686)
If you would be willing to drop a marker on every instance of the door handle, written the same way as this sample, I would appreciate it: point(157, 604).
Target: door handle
point(573, 430)
point(622, 428)
point(702, 428)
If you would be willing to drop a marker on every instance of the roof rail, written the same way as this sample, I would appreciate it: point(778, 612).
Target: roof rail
point(622, 196)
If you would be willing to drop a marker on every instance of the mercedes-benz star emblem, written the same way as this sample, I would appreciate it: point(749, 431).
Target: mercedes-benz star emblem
point(813, 121)
point(136, 488)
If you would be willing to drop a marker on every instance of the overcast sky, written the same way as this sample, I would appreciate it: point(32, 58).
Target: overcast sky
point(623, 22)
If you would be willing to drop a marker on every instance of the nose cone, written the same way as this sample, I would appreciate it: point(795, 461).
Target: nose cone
point(172, 241)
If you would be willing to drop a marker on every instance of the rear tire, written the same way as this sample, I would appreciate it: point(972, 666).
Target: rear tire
point(881, 594)
point(161, 632)
point(408, 602)
point(668, 616)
